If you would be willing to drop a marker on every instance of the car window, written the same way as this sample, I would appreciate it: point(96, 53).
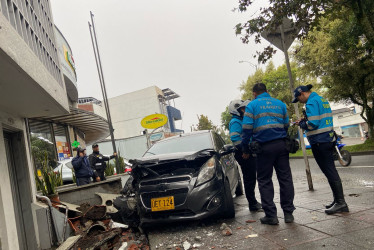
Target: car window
point(218, 141)
point(190, 143)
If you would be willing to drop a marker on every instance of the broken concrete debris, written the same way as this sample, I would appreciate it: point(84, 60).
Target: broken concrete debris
point(96, 230)
point(226, 230)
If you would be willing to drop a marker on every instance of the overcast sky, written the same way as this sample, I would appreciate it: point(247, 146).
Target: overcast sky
point(188, 46)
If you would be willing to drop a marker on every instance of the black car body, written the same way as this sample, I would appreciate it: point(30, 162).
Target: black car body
point(186, 177)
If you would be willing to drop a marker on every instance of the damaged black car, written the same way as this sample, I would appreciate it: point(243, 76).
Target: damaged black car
point(186, 177)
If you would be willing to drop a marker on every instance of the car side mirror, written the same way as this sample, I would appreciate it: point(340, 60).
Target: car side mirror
point(227, 149)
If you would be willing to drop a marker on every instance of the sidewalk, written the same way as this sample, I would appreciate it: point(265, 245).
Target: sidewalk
point(312, 229)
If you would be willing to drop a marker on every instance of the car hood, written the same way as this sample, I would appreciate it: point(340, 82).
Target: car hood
point(191, 155)
point(170, 164)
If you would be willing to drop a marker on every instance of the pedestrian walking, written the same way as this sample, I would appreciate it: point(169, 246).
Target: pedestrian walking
point(98, 161)
point(266, 122)
point(248, 166)
point(82, 168)
point(319, 128)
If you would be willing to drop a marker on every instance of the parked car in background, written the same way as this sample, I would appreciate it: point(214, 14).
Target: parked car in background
point(186, 177)
point(66, 169)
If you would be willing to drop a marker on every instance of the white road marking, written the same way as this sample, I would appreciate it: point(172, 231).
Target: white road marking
point(357, 167)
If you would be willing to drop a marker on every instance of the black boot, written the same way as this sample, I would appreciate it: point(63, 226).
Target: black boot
point(340, 205)
point(256, 208)
point(330, 205)
point(333, 202)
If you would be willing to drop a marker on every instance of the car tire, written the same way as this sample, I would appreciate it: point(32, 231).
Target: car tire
point(239, 188)
point(229, 211)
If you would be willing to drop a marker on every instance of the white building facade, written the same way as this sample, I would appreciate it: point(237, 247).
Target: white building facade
point(38, 97)
point(129, 109)
point(348, 121)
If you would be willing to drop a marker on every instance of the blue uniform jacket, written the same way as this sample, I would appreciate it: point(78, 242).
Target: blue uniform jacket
point(235, 128)
point(265, 119)
point(82, 167)
point(318, 126)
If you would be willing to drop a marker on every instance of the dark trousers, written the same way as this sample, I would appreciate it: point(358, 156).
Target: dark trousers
point(83, 181)
point(100, 173)
point(249, 176)
point(323, 154)
point(274, 154)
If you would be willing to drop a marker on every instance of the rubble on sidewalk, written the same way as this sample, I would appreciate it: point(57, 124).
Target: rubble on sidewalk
point(94, 229)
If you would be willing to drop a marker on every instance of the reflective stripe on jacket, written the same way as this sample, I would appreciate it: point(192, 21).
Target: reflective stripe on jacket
point(235, 128)
point(319, 125)
point(265, 119)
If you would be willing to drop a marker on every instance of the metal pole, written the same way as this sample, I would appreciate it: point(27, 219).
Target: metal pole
point(102, 82)
point(301, 137)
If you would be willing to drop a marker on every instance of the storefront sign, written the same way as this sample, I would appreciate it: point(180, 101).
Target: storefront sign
point(154, 121)
point(69, 59)
point(63, 150)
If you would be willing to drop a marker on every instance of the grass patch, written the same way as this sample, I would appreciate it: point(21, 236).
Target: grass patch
point(300, 153)
point(368, 145)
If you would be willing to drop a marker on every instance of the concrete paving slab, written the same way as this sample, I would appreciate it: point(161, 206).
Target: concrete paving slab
point(363, 238)
point(338, 225)
point(261, 228)
point(352, 210)
point(330, 243)
point(366, 216)
point(305, 216)
point(295, 236)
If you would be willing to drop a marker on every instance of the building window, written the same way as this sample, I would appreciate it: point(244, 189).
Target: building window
point(62, 142)
point(42, 143)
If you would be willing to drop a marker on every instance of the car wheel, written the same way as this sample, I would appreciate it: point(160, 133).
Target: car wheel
point(239, 188)
point(229, 211)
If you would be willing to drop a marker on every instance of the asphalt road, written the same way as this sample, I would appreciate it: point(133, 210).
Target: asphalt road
point(207, 234)
point(360, 171)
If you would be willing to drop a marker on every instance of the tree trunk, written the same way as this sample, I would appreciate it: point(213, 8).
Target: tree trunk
point(363, 19)
point(370, 122)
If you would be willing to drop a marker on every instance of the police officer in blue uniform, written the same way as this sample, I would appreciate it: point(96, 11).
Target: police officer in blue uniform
point(266, 122)
point(248, 166)
point(319, 128)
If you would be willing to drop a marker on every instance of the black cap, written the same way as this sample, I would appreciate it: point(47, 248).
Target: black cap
point(80, 150)
point(95, 145)
point(297, 92)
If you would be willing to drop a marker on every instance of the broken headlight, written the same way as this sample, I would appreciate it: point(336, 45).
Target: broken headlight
point(207, 171)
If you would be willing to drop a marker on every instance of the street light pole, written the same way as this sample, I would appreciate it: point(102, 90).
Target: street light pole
point(102, 83)
point(253, 65)
point(307, 167)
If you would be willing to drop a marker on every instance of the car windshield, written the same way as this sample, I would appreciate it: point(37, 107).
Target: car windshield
point(190, 143)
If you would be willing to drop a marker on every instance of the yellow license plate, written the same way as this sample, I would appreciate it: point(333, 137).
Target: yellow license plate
point(163, 203)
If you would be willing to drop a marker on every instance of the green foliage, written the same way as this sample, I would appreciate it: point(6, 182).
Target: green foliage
point(251, 81)
point(121, 165)
point(74, 177)
point(205, 123)
point(341, 56)
point(307, 15)
point(277, 83)
point(109, 169)
point(40, 149)
point(368, 145)
point(49, 180)
point(224, 134)
point(226, 118)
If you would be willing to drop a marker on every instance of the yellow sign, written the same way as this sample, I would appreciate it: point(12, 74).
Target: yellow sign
point(154, 121)
point(69, 58)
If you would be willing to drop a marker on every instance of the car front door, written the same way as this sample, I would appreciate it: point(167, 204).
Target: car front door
point(227, 161)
